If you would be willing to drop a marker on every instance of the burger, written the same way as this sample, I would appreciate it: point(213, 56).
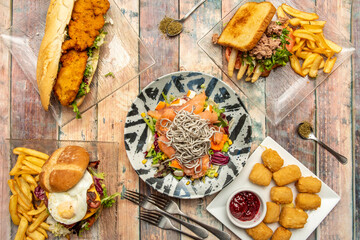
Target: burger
point(72, 190)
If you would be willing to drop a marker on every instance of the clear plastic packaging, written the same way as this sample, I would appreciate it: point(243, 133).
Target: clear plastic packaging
point(123, 54)
point(278, 94)
point(106, 227)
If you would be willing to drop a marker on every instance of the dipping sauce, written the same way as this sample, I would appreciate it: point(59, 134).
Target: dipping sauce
point(244, 206)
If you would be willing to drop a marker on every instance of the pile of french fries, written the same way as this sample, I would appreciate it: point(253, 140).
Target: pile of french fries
point(311, 45)
point(25, 210)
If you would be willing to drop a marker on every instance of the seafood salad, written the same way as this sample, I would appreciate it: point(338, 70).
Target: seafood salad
point(190, 136)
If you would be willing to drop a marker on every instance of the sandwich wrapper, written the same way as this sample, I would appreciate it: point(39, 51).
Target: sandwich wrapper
point(328, 197)
point(279, 93)
point(123, 54)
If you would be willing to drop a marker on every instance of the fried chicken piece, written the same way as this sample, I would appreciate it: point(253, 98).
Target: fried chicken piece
point(86, 21)
point(70, 76)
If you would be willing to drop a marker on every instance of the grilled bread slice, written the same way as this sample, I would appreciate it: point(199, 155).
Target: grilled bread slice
point(247, 25)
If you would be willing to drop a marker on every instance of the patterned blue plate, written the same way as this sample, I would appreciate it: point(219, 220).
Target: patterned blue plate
point(137, 133)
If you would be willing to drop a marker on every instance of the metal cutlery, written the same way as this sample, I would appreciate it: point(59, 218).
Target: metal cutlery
point(163, 222)
point(143, 201)
point(171, 207)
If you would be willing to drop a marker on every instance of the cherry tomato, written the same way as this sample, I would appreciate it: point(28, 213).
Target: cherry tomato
point(291, 41)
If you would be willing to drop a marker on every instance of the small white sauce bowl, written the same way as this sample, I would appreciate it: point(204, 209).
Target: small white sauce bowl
point(258, 217)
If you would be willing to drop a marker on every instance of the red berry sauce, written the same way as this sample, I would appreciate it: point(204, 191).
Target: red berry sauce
point(244, 206)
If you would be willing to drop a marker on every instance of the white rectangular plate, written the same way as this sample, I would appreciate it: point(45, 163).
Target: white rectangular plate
point(328, 197)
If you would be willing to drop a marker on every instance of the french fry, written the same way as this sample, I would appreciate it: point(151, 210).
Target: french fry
point(29, 179)
point(11, 186)
point(329, 64)
point(22, 196)
point(28, 238)
point(20, 234)
point(318, 23)
point(302, 54)
point(23, 204)
point(309, 60)
point(298, 45)
point(37, 178)
point(232, 61)
point(280, 13)
point(31, 152)
point(17, 166)
point(257, 73)
point(336, 48)
point(37, 161)
point(22, 211)
point(306, 71)
point(321, 41)
point(38, 221)
point(295, 65)
point(295, 21)
point(31, 172)
point(322, 64)
point(25, 188)
point(35, 234)
point(313, 28)
point(13, 209)
point(45, 226)
point(299, 14)
point(42, 231)
point(37, 211)
point(297, 40)
point(32, 166)
point(315, 67)
point(310, 44)
point(302, 33)
point(242, 70)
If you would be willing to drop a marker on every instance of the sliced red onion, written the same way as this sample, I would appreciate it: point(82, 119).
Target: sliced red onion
point(219, 159)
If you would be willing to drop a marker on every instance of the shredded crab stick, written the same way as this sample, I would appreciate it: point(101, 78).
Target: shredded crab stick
point(242, 70)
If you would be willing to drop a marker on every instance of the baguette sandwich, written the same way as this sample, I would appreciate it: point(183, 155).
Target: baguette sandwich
point(69, 51)
point(254, 43)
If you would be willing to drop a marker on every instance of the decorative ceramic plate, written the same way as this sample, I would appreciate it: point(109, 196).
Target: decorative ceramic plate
point(137, 134)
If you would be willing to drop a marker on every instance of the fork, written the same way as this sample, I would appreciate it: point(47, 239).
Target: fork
point(142, 201)
point(171, 207)
point(162, 222)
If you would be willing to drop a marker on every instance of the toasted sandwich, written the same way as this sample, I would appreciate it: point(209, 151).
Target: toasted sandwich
point(255, 44)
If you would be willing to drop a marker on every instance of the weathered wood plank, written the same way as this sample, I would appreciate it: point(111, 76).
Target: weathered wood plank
point(356, 117)
point(28, 119)
point(5, 63)
point(165, 53)
point(334, 127)
point(112, 113)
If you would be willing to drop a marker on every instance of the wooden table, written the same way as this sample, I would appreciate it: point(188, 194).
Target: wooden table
point(333, 109)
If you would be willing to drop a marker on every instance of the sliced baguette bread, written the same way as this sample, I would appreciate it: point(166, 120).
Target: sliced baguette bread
point(247, 26)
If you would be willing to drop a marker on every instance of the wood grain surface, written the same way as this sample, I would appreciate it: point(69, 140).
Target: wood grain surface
point(333, 109)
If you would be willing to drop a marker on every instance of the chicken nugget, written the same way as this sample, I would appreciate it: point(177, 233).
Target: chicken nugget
point(307, 201)
point(293, 217)
point(281, 195)
point(308, 185)
point(272, 160)
point(260, 175)
point(287, 175)
point(260, 232)
point(272, 212)
point(281, 234)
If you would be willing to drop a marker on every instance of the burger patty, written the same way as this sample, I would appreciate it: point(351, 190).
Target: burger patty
point(86, 21)
point(70, 76)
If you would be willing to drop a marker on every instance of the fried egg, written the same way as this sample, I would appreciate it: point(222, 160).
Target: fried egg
point(71, 206)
